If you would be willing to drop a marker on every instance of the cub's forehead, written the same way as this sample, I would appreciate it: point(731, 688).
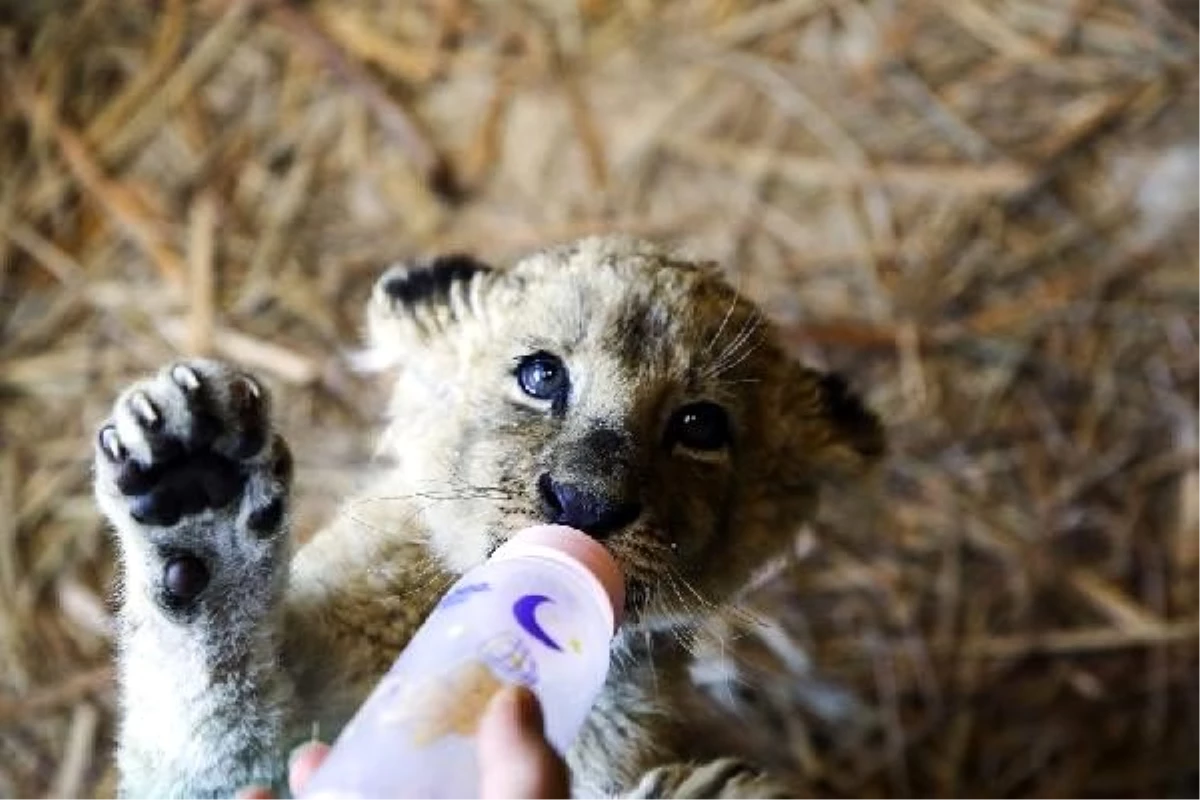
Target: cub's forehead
point(644, 309)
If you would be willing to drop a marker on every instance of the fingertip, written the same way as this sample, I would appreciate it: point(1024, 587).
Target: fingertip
point(303, 763)
point(515, 758)
point(514, 710)
point(254, 793)
point(528, 708)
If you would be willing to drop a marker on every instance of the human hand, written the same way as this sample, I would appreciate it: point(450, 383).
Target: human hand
point(515, 760)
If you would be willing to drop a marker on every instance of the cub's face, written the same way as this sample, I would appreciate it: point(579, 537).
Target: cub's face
point(608, 387)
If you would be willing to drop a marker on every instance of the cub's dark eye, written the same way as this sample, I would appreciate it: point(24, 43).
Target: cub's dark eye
point(699, 426)
point(543, 376)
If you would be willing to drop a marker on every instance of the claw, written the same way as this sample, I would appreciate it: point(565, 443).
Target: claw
point(145, 410)
point(111, 443)
point(253, 386)
point(186, 377)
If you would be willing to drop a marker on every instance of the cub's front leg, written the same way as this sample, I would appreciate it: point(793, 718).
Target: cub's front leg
point(190, 475)
point(720, 778)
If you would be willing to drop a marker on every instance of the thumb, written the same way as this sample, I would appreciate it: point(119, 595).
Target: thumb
point(303, 764)
point(515, 760)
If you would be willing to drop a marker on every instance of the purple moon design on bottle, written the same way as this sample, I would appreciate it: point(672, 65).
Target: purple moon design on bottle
point(525, 612)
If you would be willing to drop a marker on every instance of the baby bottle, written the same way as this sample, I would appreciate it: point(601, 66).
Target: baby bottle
point(540, 612)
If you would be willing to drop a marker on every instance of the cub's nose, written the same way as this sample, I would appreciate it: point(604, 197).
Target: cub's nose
point(593, 513)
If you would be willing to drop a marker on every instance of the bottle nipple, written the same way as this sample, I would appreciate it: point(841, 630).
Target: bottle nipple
point(578, 547)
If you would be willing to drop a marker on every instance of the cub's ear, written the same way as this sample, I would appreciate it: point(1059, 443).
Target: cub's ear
point(856, 427)
point(417, 301)
point(830, 430)
point(429, 281)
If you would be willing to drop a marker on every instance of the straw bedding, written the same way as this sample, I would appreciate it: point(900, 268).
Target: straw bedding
point(983, 213)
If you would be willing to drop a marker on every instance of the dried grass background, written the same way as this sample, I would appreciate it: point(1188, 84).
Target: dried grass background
point(984, 213)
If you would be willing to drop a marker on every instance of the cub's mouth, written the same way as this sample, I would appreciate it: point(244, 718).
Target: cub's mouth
point(646, 568)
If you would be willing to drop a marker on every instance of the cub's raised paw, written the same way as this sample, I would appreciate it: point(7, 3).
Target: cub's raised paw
point(190, 474)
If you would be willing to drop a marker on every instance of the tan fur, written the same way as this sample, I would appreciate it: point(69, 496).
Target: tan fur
point(641, 333)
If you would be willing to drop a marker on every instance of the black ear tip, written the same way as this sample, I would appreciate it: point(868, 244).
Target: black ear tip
point(459, 265)
point(430, 280)
point(848, 413)
point(393, 284)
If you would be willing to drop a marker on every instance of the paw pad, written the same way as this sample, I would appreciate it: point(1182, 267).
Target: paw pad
point(184, 578)
point(265, 520)
point(186, 442)
point(189, 469)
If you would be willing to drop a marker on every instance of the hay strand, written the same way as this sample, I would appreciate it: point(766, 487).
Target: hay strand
point(984, 214)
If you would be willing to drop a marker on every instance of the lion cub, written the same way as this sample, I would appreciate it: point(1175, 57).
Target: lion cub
point(605, 385)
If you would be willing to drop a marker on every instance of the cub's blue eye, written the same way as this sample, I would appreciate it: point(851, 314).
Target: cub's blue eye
point(699, 426)
point(543, 376)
